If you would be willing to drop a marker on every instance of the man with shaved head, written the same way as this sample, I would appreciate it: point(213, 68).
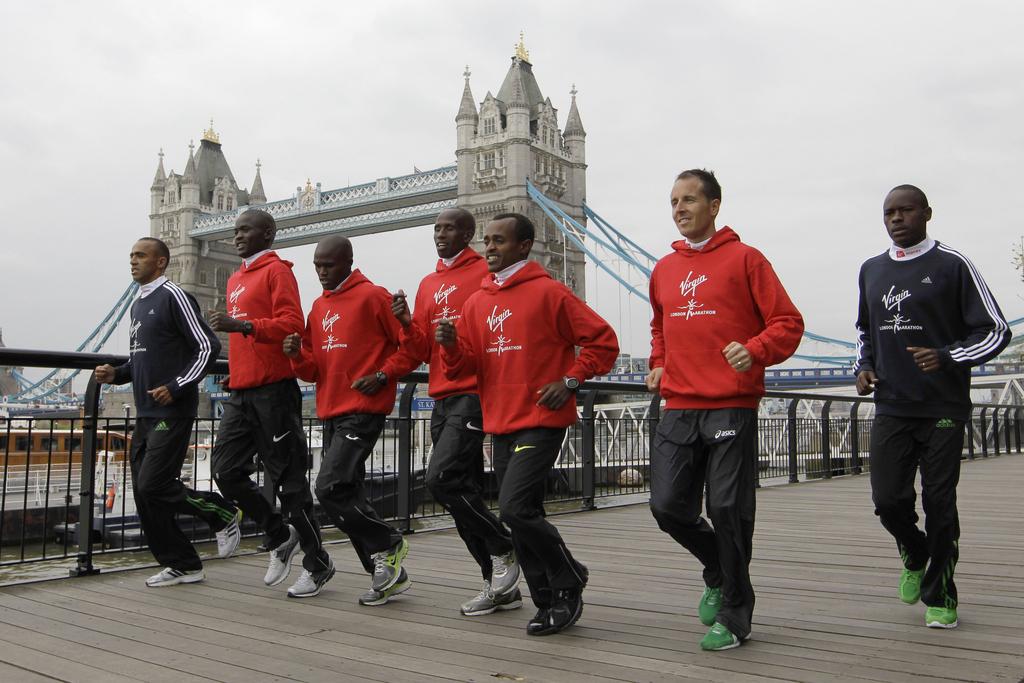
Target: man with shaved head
point(926, 318)
point(264, 412)
point(348, 348)
point(455, 473)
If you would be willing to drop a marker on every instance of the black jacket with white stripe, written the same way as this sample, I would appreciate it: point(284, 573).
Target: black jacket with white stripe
point(172, 346)
point(930, 296)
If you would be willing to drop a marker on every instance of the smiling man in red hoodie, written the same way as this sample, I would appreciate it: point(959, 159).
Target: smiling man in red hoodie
point(348, 349)
point(721, 316)
point(264, 412)
point(455, 473)
point(519, 335)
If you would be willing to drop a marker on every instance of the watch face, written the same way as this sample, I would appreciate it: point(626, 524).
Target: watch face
point(572, 383)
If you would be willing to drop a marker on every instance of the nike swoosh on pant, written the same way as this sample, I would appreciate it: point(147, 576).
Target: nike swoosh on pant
point(278, 438)
point(470, 425)
point(352, 437)
point(522, 448)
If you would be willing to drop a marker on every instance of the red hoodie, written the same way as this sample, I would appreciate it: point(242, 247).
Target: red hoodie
point(441, 295)
point(266, 295)
point(703, 300)
point(350, 333)
point(522, 335)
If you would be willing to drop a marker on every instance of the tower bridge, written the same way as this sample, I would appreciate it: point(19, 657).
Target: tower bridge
point(500, 142)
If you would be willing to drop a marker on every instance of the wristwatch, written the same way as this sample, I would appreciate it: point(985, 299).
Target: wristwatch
point(382, 378)
point(571, 383)
point(247, 328)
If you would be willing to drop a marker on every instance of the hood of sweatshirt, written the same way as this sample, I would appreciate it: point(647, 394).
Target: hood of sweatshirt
point(264, 261)
point(531, 271)
point(723, 236)
point(354, 280)
point(467, 257)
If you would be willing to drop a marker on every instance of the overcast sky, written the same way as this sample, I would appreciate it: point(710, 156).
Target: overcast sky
point(807, 111)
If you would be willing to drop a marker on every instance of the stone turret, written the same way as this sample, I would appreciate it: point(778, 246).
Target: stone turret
point(206, 186)
point(514, 136)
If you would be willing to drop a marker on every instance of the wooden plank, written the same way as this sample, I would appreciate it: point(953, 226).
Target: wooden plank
point(823, 568)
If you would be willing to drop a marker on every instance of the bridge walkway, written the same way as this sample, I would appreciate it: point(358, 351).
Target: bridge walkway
point(824, 570)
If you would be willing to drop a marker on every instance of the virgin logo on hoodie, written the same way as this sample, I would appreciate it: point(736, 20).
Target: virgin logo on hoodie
point(688, 288)
point(442, 294)
point(441, 299)
point(330, 341)
point(496, 323)
point(235, 311)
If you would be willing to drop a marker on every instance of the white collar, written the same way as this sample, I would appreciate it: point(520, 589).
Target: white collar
point(504, 275)
point(342, 283)
point(900, 254)
point(449, 261)
point(252, 259)
point(697, 246)
point(150, 287)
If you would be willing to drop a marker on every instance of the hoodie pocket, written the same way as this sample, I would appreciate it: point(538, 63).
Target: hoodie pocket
point(700, 372)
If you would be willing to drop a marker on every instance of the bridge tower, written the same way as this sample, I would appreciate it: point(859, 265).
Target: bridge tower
point(206, 186)
point(514, 136)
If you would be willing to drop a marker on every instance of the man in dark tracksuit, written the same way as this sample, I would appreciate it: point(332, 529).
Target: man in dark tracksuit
point(721, 317)
point(171, 350)
point(264, 413)
point(925, 319)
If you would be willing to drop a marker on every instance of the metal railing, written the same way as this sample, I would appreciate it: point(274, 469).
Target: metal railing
point(605, 459)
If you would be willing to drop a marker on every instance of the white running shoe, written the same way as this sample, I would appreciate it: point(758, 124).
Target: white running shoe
point(229, 537)
point(310, 583)
point(281, 559)
point(172, 577)
point(504, 573)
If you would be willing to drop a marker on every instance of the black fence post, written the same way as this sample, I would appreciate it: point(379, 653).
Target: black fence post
point(826, 439)
point(588, 448)
point(1017, 427)
point(995, 431)
point(90, 425)
point(984, 434)
point(791, 422)
point(1006, 430)
point(404, 504)
point(855, 463)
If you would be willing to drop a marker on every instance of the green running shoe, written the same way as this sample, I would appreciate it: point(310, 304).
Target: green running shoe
point(719, 638)
point(387, 566)
point(910, 585)
point(710, 602)
point(940, 617)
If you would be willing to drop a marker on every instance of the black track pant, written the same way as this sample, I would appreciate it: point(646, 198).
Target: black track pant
point(266, 421)
point(455, 477)
point(522, 461)
point(158, 450)
point(899, 446)
point(340, 488)
point(716, 446)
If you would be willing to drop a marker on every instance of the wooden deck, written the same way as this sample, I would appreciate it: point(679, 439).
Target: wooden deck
point(824, 570)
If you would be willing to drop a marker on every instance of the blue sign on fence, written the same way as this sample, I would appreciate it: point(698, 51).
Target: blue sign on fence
point(423, 405)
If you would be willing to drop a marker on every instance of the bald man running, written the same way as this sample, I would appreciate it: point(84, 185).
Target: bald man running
point(348, 348)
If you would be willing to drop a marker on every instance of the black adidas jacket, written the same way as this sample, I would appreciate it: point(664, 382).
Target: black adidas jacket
point(937, 300)
point(172, 346)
